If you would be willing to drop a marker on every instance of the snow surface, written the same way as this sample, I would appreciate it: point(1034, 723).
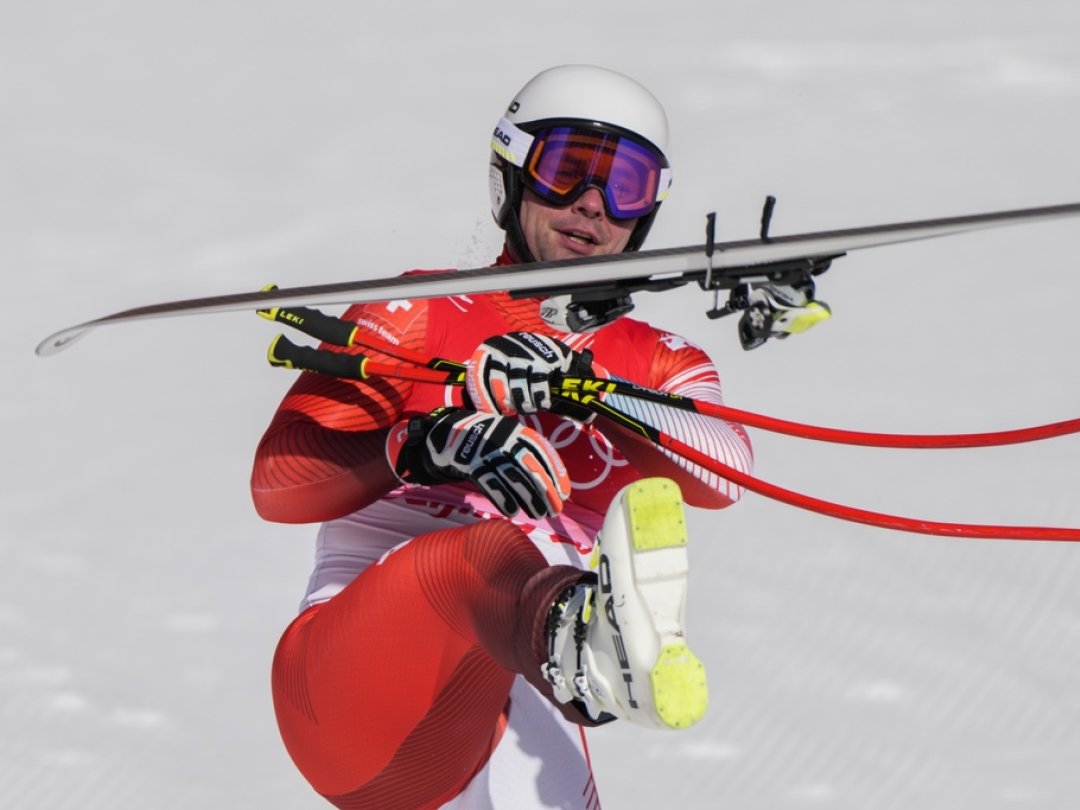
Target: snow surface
point(153, 151)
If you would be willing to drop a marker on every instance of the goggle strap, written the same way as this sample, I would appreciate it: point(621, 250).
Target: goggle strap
point(511, 143)
point(665, 185)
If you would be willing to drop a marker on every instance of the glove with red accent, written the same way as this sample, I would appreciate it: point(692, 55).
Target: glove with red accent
point(514, 373)
point(513, 465)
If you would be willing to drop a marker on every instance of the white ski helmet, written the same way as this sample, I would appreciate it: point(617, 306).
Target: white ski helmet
point(583, 99)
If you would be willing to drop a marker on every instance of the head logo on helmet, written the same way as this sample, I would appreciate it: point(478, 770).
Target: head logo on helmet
point(574, 127)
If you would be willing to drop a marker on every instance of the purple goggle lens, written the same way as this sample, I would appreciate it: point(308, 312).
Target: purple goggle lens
point(563, 162)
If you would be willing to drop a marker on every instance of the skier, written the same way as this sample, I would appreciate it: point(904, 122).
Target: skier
point(454, 640)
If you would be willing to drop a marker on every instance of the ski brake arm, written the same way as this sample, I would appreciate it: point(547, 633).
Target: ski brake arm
point(776, 299)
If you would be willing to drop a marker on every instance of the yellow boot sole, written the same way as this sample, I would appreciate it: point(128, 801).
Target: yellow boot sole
point(657, 522)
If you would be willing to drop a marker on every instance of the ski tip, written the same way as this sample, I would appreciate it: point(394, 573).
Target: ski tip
point(58, 341)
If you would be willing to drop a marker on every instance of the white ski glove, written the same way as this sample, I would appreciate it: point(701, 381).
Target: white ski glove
point(513, 465)
point(513, 373)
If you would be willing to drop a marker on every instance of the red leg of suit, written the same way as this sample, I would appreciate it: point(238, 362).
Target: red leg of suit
point(391, 693)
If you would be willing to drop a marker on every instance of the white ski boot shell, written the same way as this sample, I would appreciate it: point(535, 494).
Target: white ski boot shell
point(619, 645)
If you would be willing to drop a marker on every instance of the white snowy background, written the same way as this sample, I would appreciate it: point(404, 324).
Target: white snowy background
point(151, 151)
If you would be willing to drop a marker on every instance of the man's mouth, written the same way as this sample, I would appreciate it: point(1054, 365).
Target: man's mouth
point(580, 237)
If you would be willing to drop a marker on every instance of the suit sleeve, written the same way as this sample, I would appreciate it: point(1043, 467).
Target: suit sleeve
point(679, 367)
point(323, 455)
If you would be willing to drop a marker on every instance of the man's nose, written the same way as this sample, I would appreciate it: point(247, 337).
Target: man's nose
point(591, 203)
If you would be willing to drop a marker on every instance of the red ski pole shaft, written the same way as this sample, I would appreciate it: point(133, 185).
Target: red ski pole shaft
point(828, 508)
point(340, 332)
point(940, 441)
point(870, 518)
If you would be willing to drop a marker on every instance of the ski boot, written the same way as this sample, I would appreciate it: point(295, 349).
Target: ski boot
point(618, 645)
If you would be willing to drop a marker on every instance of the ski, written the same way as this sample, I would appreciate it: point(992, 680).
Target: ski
point(597, 289)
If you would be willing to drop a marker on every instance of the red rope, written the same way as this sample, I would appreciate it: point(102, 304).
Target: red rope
point(909, 441)
point(443, 372)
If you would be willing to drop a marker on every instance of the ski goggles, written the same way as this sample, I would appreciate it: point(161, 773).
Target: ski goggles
point(559, 163)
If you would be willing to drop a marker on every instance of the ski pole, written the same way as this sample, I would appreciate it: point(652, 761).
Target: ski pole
point(286, 354)
point(340, 332)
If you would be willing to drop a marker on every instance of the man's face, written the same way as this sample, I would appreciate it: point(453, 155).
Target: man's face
point(582, 228)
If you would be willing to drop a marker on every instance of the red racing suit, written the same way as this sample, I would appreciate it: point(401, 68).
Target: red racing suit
point(416, 653)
